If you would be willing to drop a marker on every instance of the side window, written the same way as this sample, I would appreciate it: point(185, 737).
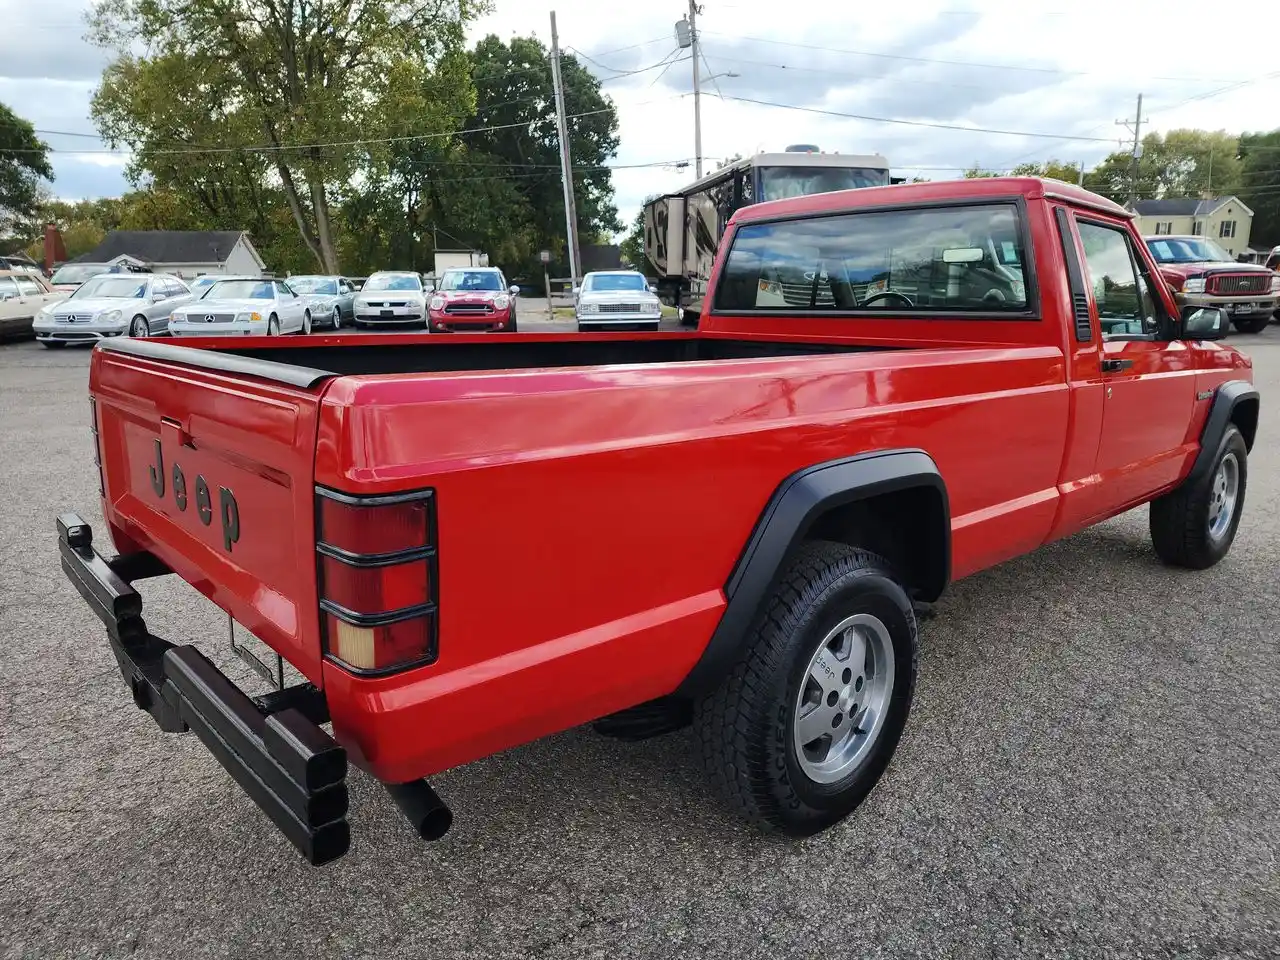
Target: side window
point(8, 288)
point(1121, 290)
point(284, 290)
point(942, 260)
point(29, 288)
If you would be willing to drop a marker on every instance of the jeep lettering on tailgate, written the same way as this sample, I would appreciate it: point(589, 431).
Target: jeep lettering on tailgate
point(228, 509)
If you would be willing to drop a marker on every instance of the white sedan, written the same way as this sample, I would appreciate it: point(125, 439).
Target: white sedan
point(616, 298)
point(112, 305)
point(391, 296)
point(241, 306)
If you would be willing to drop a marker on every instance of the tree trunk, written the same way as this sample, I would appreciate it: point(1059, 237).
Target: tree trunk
point(320, 204)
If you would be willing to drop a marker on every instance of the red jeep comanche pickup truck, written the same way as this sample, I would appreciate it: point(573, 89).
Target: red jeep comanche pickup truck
point(466, 545)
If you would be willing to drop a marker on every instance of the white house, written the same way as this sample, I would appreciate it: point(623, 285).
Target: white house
point(187, 253)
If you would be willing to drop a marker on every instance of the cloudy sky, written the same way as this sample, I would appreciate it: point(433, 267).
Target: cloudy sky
point(1069, 70)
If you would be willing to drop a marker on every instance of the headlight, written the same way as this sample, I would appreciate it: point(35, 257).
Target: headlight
point(1275, 283)
point(437, 303)
point(1194, 285)
point(254, 317)
point(501, 302)
point(655, 307)
point(589, 307)
point(360, 304)
point(43, 313)
point(111, 316)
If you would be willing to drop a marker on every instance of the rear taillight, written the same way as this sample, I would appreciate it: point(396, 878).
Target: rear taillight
point(377, 569)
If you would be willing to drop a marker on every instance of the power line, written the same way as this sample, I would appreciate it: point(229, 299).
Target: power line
point(911, 123)
point(957, 63)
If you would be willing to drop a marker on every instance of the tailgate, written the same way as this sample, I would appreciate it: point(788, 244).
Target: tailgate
point(208, 463)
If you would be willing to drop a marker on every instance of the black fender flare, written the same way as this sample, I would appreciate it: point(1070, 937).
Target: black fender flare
point(783, 524)
point(1227, 400)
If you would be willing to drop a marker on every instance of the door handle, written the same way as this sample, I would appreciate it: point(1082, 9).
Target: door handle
point(1112, 364)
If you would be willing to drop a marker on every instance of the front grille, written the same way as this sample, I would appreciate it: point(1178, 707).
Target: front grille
point(209, 318)
point(1239, 283)
point(619, 308)
point(75, 318)
point(462, 309)
point(388, 303)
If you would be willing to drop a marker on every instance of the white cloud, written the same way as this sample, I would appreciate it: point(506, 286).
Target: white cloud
point(1084, 64)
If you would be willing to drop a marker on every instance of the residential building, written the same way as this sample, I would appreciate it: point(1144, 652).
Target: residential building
point(1223, 219)
point(187, 253)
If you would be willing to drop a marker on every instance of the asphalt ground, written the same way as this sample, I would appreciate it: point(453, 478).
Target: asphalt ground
point(1092, 769)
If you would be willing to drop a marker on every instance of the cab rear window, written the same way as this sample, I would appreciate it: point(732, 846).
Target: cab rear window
point(966, 259)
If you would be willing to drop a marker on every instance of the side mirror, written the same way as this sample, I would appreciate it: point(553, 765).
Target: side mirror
point(576, 291)
point(514, 291)
point(1204, 323)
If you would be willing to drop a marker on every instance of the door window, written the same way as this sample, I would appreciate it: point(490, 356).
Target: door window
point(8, 288)
point(283, 290)
point(29, 288)
point(1122, 293)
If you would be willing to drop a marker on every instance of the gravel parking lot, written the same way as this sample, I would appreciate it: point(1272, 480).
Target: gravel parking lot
point(1092, 770)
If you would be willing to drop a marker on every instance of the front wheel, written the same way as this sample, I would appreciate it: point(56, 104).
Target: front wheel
point(1251, 324)
point(1195, 525)
point(306, 322)
point(139, 327)
point(273, 326)
point(336, 319)
point(808, 719)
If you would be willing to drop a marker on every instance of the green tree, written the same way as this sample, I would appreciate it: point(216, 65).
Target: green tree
point(1181, 163)
point(977, 173)
point(1260, 185)
point(1052, 169)
point(633, 246)
point(24, 162)
point(514, 133)
point(233, 100)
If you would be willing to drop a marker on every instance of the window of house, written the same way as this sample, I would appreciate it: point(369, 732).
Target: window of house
point(1164, 228)
point(1197, 228)
point(1227, 228)
point(943, 259)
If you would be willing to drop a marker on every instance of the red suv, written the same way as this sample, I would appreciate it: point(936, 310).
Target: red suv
point(1202, 274)
point(472, 298)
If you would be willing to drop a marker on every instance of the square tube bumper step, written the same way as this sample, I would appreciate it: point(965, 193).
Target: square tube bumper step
point(273, 746)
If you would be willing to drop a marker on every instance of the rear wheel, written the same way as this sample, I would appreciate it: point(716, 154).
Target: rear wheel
point(1251, 324)
point(1195, 525)
point(139, 327)
point(808, 719)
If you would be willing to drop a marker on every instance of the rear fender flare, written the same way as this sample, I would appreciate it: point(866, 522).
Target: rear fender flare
point(1235, 401)
point(791, 512)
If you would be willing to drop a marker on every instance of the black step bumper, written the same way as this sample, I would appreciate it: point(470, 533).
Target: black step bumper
point(273, 746)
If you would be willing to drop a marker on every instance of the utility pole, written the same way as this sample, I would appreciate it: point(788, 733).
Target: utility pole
point(697, 91)
point(1137, 151)
point(1081, 180)
point(566, 162)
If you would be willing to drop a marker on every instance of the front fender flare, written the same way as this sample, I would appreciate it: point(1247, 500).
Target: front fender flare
point(796, 504)
point(1226, 400)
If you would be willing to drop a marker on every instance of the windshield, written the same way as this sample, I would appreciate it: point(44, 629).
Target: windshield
point(313, 285)
point(1186, 250)
point(392, 281)
point(470, 280)
point(616, 281)
point(240, 290)
point(201, 282)
point(78, 272)
point(114, 288)
point(778, 183)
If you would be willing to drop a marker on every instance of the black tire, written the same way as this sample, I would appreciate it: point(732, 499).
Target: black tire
point(745, 727)
point(337, 319)
point(306, 324)
point(585, 327)
point(139, 327)
point(1252, 324)
point(53, 344)
point(1180, 520)
point(273, 326)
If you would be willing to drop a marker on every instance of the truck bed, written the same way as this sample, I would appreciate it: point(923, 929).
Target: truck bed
point(364, 354)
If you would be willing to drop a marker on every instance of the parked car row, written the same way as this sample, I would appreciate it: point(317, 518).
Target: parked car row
point(1201, 274)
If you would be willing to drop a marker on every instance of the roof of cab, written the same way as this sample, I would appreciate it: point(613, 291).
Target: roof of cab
point(1033, 188)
